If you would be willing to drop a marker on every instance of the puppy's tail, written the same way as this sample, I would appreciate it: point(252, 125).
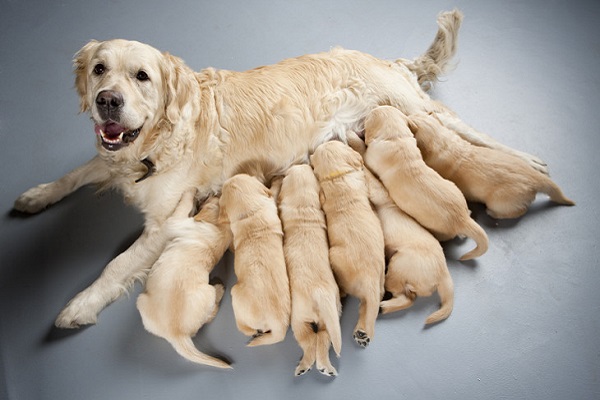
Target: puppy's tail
point(446, 293)
point(475, 232)
point(556, 195)
point(328, 305)
point(435, 60)
point(185, 347)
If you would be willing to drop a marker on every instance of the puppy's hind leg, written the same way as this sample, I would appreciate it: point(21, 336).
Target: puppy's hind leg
point(322, 349)
point(275, 335)
point(307, 340)
point(396, 303)
point(367, 314)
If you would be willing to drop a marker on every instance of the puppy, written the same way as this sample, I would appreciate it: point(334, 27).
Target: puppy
point(434, 202)
point(416, 264)
point(178, 299)
point(355, 237)
point(261, 296)
point(315, 296)
point(503, 182)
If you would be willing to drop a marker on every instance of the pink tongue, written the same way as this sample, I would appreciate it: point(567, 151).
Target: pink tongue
point(113, 129)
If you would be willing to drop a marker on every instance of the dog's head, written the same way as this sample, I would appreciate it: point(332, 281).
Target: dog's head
point(386, 123)
point(242, 196)
point(299, 187)
point(129, 88)
point(333, 159)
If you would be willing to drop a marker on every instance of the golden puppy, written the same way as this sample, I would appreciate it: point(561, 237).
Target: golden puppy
point(434, 202)
point(503, 182)
point(355, 237)
point(315, 295)
point(178, 299)
point(416, 263)
point(261, 296)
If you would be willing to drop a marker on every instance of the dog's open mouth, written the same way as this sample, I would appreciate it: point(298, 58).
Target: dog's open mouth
point(115, 136)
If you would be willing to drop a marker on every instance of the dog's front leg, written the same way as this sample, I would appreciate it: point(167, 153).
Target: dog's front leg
point(38, 198)
point(116, 278)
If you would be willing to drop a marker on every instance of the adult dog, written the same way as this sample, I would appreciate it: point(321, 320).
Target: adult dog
point(163, 129)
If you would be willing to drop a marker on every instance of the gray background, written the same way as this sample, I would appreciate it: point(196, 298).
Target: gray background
point(526, 316)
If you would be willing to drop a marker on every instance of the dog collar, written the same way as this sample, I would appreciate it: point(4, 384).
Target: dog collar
point(151, 169)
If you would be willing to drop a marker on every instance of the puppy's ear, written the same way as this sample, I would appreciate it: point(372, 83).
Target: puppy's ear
point(178, 82)
point(223, 218)
point(412, 125)
point(80, 66)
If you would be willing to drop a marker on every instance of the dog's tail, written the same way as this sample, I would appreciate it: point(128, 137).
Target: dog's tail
point(556, 195)
point(474, 231)
point(185, 347)
point(328, 305)
point(446, 293)
point(435, 60)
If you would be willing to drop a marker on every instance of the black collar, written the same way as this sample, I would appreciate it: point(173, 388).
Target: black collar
point(151, 169)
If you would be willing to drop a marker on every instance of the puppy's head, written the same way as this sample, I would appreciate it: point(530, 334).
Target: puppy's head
point(242, 195)
point(332, 159)
point(129, 88)
point(386, 123)
point(299, 187)
point(209, 212)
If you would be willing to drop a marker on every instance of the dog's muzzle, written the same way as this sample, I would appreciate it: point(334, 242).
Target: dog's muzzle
point(114, 136)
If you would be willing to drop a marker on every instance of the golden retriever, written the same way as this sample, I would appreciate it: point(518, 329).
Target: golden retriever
point(162, 129)
point(315, 295)
point(416, 265)
point(261, 295)
point(502, 181)
point(178, 298)
point(356, 247)
point(434, 202)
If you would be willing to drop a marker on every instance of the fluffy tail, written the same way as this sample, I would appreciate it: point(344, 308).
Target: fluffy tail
point(435, 60)
point(475, 232)
point(446, 293)
point(556, 195)
point(328, 306)
point(185, 347)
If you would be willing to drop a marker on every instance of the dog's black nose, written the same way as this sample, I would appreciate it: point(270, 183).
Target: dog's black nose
point(109, 101)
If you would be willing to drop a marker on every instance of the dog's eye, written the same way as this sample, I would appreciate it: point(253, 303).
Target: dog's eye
point(142, 76)
point(99, 69)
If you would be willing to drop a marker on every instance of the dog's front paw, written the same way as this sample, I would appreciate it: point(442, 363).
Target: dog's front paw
point(78, 312)
point(535, 163)
point(361, 338)
point(34, 200)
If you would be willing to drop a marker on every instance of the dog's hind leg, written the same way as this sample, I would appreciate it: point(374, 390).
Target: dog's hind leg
point(365, 328)
point(322, 349)
point(396, 303)
point(307, 340)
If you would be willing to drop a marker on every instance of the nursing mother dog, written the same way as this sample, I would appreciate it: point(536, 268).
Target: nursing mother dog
point(163, 129)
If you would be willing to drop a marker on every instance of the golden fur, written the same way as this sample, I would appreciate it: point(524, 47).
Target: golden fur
point(315, 296)
point(434, 202)
point(261, 295)
point(416, 265)
point(178, 298)
point(356, 247)
point(193, 130)
point(502, 181)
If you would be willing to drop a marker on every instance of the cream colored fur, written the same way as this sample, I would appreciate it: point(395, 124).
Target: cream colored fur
point(261, 295)
point(316, 304)
point(178, 299)
point(502, 181)
point(416, 264)
point(434, 202)
point(197, 128)
point(356, 247)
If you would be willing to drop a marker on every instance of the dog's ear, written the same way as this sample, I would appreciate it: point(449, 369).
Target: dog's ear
point(414, 128)
point(80, 66)
point(178, 83)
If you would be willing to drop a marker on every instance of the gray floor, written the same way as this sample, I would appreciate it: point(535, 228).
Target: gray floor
point(526, 317)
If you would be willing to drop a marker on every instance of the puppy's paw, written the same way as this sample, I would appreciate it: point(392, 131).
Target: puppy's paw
point(535, 163)
point(78, 312)
point(301, 370)
point(327, 370)
point(361, 338)
point(34, 200)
